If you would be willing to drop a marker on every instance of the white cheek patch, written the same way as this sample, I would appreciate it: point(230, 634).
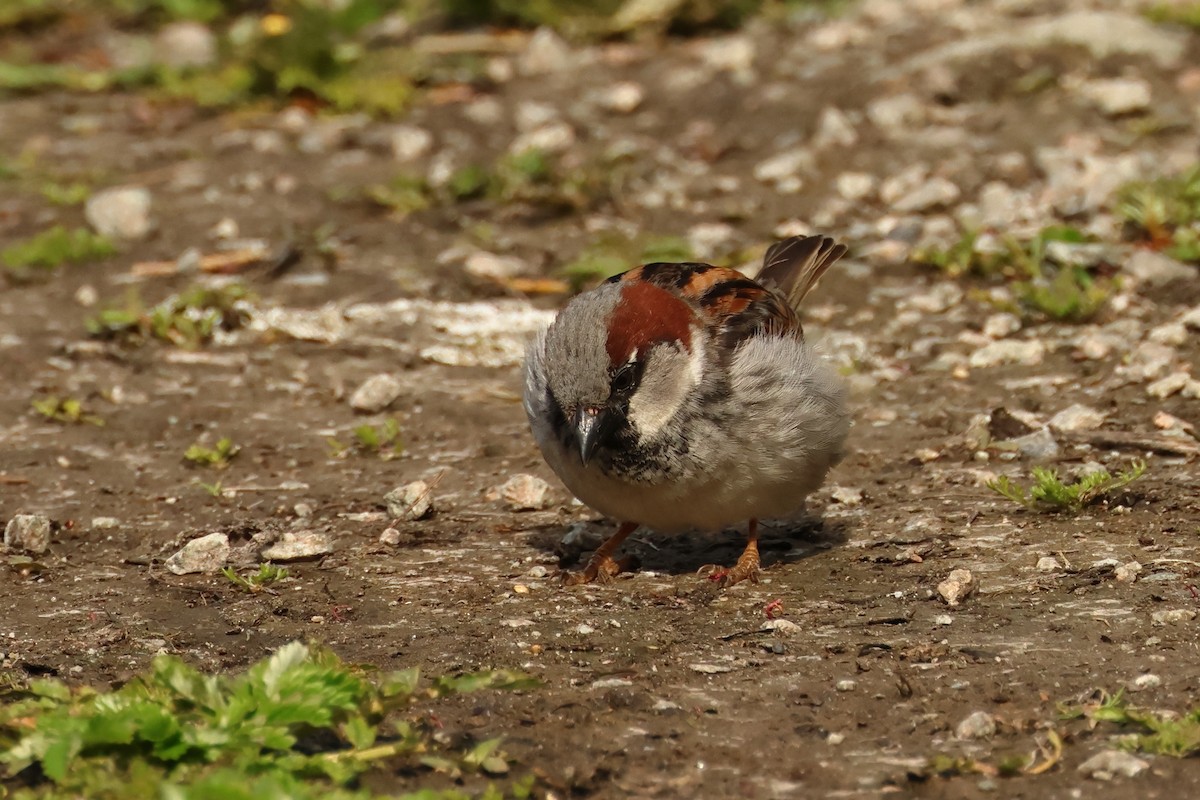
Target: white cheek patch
point(667, 381)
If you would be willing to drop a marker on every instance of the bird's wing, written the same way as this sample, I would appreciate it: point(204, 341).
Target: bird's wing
point(736, 305)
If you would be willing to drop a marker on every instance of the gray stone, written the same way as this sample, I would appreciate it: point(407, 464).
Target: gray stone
point(553, 137)
point(1173, 615)
point(376, 393)
point(957, 587)
point(185, 44)
point(391, 537)
point(1172, 334)
point(546, 52)
point(1077, 417)
point(122, 212)
point(622, 98)
point(934, 193)
point(1155, 269)
point(205, 554)
point(30, 532)
point(1039, 445)
point(1008, 351)
point(834, 128)
point(1143, 682)
point(298, 546)
point(847, 496)
point(525, 493)
point(408, 142)
point(491, 266)
point(784, 166)
point(1103, 33)
point(846, 685)
point(978, 725)
point(413, 501)
point(856, 185)
point(1108, 763)
point(999, 326)
point(1117, 96)
point(707, 239)
point(894, 112)
point(1048, 564)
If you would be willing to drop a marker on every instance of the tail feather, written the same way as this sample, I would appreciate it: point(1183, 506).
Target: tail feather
point(795, 265)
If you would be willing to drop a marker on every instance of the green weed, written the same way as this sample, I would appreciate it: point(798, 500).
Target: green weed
point(1165, 212)
point(1043, 286)
point(1177, 13)
point(215, 489)
point(403, 195)
point(1155, 732)
point(50, 249)
point(298, 724)
point(1072, 295)
point(65, 409)
point(65, 194)
point(217, 457)
point(257, 582)
point(614, 255)
point(189, 319)
point(1050, 493)
point(382, 440)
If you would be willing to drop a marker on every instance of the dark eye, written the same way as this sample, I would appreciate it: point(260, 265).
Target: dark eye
point(625, 381)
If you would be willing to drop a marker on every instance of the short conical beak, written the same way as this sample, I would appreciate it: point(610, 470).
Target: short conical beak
point(591, 427)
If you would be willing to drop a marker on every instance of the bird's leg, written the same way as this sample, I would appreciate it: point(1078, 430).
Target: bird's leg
point(602, 567)
point(747, 563)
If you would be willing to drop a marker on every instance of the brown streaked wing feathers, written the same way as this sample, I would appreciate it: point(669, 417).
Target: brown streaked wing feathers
point(795, 265)
point(737, 305)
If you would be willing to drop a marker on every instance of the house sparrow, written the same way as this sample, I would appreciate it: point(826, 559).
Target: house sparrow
point(684, 396)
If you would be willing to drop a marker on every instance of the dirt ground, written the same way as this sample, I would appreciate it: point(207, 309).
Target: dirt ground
point(655, 686)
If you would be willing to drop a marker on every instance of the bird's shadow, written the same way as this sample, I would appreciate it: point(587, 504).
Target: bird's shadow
point(780, 542)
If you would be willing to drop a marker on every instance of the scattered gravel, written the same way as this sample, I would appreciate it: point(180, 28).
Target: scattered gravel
point(978, 725)
point(1143, 682)
point(299, 546)
point(525, 493)
point(120, 213)
point(1008, 351)
point(1077, 417)
point(206, 554)
point(29, 532)
point(413, 501)
point(957, 587)
point(1107, 764)
point(376, 393)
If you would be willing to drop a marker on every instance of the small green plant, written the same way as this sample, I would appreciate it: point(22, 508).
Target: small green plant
point(403, 195)
point(1041, 284)
point(215, 489)
point(65, 409)
point(1072, 295)
point(259, 581)
point(1165, 212)
point(298, 724)
point(65, 194)
point(1156, 732)
point(1050, 493)
point(613, 256)
point(1177, 13)
point(188, 320)
point(217, 457)
point(51, 249)
point(379, 440)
